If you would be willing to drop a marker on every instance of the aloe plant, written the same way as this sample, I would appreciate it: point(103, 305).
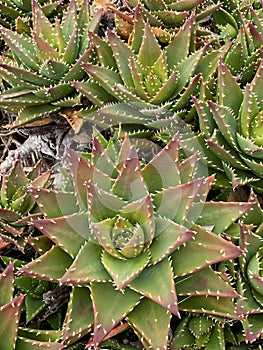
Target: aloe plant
point(202, 332)
point(128, 78)
point(17, 206)
point(44, 64)
point(123, 241)
point(17, 13)
point(232, 128)
point(13, 336)
point(246, 271)
point(165, 17)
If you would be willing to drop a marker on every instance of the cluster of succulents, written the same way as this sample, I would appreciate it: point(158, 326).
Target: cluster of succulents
point(154, 237)
point(39, 67)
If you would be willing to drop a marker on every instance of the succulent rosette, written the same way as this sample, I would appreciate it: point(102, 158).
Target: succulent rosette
point(17, 206)
point(246, 271)
point(40, 67)
point(123, 240)
point(232, 128)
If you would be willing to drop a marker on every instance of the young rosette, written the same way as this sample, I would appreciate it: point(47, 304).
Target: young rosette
point(125, 234)
point(40, 67)
point(17, 206)
point(232, 127)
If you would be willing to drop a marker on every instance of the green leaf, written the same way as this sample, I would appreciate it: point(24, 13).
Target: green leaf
point(21, 47)
point(179, 48)
point(124, 271)
point(122, 54)
point(54, 69)
point(150, 284)
point(7, 285)
point(168, 237)
point(110, 307)
point(149, 44)
point(69, 232)
point(206, 249)
point(87, 266)
point(153, 329)
point(79, 317)
point(50, 266)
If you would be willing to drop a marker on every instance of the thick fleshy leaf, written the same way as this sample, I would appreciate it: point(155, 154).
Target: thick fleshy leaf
point(149, 44)
point(206, 249)
point(82, 172)
point(162, 171)
point(157, 283)
point(110, 307)
point(87, 266)
point(122, 53)
point(9, 320)
point(129, 184)
point(7, 284)
point(125, 271)
point(179, 48)
point(101, 204)
point(168, 237)
point(153, 329)
point(229, 93)
point(221, 215)
point(54, 203)
point(68, 232)
point(79, 317)
point(210, 305)
point(50, 266)
point(205, 282)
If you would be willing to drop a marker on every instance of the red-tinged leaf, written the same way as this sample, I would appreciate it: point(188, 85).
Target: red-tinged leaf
point(54, 203)
point(87, 266)
point(7, 284)
point(168, 237)
point(124, 271)
point(110, 307)
point(41, 25)
point(9, 215)
point(205, 282)
point(9, 320)
point(50, 266)
point(26, 75)
point(68, 232)
point(83, 172)
point(76, 72)
point(157, 283)
point(221, 215)
point(129, 184)
point(175, 202)
point(103, 50)
point(162, 171)
point(152, 330)
point(43, 49)
point(79, 317)
point(206, 249)
point(253, 327)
